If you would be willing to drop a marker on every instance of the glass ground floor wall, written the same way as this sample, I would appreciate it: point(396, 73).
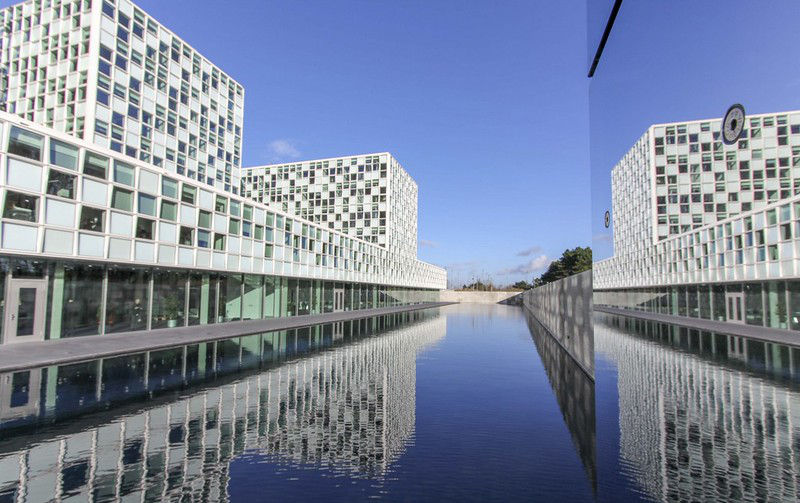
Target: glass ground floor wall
point(774, 304)
point(58, 299)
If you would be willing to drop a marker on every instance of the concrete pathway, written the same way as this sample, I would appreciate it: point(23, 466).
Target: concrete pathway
point(776, 335)
point(60, 351)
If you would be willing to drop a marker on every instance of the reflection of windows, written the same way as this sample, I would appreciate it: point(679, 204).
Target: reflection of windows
point(92, 219)
point(186, 236)
point(20, 207)
point(122, 199)
point(95, 165)
point(63, 154)
point(25, 144)
point(144, 228)
point(61, 184)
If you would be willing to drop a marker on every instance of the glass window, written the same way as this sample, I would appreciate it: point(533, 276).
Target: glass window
point(123, 173)
point(169, 188)
point(92, 219)
point(186, 236)
point(205, 219)
point(147, 205)
point(188, 194)
point(25, 144)
point(144, 228)
point(61, 184)
point(248, 213)
point(259, 232)
point(235, 208)
point(230, 298)
point(268, 251)
point(126, 307)
point(95, 165)
point(233, 227)
point(169, 210)
point(64, 155)
point(81, 306)
point(219, 241)
point(122, 199)
point(203, 238)
point(754, 307)
point(221, 204)
point(169, 299)
point(21, 207)
point(246, 229)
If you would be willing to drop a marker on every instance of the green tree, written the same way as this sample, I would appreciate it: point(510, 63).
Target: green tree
point(571, 262)
point(522, 285)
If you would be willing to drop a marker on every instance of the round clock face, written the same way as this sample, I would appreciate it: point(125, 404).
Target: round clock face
point(607, 219)
point(733, 124)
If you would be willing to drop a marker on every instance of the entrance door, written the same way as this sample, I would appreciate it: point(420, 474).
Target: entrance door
point(338, 300)
point(25, 310)
point(735, 307)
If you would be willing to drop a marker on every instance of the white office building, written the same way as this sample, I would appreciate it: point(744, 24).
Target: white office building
point(107, 72)
point(121, 211)
point(708, 230)
point(370, 197)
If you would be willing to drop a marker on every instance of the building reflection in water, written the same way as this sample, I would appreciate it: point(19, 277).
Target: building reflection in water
point(350, 408)
point(574, 392)
point(703, 416)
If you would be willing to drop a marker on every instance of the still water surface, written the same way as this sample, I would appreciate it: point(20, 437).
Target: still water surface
point(467, 402)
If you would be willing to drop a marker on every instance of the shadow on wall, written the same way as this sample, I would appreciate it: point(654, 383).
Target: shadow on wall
point(574, 392)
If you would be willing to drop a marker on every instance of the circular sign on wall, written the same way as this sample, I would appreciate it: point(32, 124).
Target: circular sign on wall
point(733, 124)
point(607, 219)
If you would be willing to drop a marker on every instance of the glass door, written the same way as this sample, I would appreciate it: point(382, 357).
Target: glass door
point(735, 307)
point(25, 310)
point(338, 299)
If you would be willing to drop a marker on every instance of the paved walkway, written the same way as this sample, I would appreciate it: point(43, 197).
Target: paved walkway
point(777, 335)
point(61, 351)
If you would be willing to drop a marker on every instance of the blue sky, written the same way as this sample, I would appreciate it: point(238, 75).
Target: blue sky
point(685, 60)
point(484, 103)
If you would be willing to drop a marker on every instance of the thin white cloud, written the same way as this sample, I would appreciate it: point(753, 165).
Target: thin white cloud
point(283, 149)
point(533, 265)
point(530, 251)
point(427, 243)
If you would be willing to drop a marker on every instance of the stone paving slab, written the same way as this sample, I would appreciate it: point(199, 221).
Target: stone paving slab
point(60, 351)
point(765, 334)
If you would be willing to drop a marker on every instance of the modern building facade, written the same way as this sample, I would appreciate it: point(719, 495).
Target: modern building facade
point(708, 230)
point(97, 237)
point(105, 71)
point(370, 197)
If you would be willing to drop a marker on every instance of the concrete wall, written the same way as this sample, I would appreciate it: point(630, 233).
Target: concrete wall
point(564, 308)
point(475, 297)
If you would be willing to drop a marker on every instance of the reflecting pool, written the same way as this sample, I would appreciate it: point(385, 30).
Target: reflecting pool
point(453, 403)
point(466, 402)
